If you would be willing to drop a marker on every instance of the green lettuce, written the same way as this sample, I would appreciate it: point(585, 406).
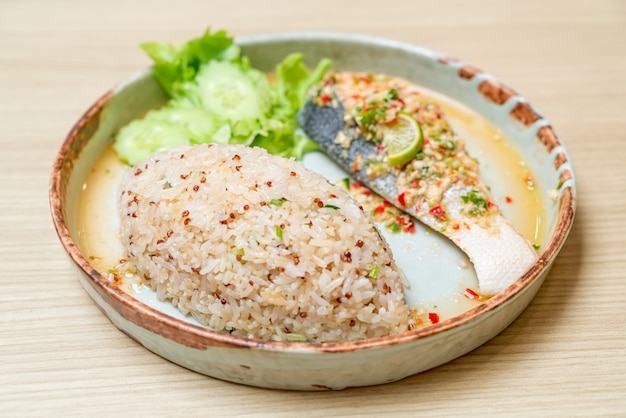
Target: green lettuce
point(217, 96)
point(175, 66)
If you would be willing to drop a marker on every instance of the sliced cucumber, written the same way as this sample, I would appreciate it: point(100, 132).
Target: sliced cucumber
point(168, 127)
point(233, 93)
point(142, 138)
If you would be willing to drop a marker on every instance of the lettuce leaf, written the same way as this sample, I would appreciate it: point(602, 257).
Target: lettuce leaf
point(293, 82)
point(294, 79)
point(175, 66)
point(217, 96)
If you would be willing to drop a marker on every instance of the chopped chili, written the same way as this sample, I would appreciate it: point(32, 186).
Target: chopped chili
point(433, 317)
point(470, 294)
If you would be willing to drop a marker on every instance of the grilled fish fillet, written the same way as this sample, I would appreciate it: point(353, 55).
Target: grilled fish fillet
point(440, 187)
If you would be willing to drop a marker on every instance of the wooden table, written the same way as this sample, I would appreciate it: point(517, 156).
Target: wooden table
point(565, 355)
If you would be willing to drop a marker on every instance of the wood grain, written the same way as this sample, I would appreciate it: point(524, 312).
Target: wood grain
point(565, 355)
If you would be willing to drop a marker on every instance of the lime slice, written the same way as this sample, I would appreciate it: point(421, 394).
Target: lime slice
point(402, 140)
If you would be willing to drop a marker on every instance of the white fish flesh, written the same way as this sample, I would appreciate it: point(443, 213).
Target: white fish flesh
point(440, 187)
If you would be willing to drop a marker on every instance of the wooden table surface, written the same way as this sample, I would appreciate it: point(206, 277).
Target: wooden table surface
point(565, 355)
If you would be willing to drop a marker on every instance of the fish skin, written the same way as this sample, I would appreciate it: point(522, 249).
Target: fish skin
point(500, 255)
point(322, 124)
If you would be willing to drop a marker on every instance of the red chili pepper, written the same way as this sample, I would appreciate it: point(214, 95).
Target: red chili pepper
point(438, 212)
point(401, 101)
point(406, 224)
point(433, 317)
point(325, 98)
point(379, 209)
point(470, 294)
point(380, 148)
point(508, 199)
point(401, 199)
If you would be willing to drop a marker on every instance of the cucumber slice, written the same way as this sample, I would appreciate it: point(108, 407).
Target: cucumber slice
point(199, 123)
point(233, 93)
point(166, 128)
point(142, 138)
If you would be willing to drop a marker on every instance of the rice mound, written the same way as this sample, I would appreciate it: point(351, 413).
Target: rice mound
point(259, 246)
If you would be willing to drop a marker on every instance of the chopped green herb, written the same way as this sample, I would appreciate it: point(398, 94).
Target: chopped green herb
point(449, 145)
point(449, 162)
point(372, 116)
point(373, 274)
point(435, 135)
point(536, 246)
point(331, 207)
point(474, 197)
point(296, 338)
point(393, 226)
point(346, 183)
point(277, 202)
point(393, 93)
point(239, 253)
point(279, 232)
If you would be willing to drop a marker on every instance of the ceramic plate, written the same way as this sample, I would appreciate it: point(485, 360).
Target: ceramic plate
point(511, 140)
